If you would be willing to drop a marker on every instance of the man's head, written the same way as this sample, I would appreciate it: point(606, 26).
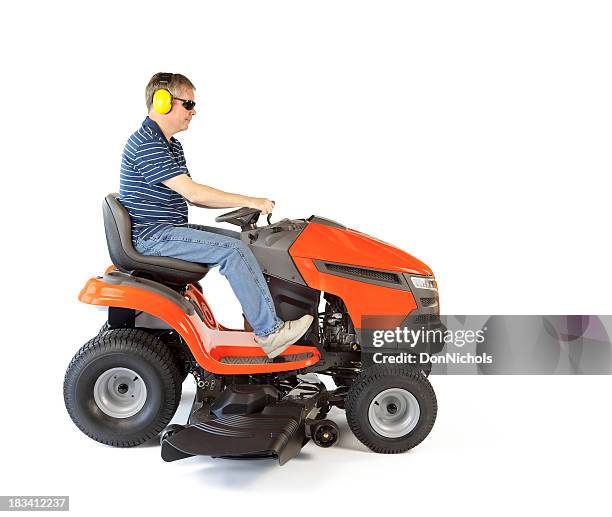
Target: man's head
point(181, 90)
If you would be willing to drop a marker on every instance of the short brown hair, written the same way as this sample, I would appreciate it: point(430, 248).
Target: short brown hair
point(177, 81)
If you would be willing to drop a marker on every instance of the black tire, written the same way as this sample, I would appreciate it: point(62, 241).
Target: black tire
point(373, 381)
point(426, 368)
point(175, 346)
point(123, 348)
point(325, 433)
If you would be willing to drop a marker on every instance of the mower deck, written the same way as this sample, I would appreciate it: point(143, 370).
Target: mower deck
point(238, 436)
point(247, 422)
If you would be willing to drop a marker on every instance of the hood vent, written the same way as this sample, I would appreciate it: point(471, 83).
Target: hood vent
point(370, 274)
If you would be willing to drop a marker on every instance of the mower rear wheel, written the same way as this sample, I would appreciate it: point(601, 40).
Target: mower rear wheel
point(391, 409)
point(171, 341)
point(122, 387)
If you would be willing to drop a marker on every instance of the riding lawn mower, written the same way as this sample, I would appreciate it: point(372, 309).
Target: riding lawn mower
point(123, 387)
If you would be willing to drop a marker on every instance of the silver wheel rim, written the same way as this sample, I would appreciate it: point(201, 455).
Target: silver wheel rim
point(394, 412)
point(120, 392)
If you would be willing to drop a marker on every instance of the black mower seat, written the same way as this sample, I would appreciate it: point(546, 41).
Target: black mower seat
point(118, 228)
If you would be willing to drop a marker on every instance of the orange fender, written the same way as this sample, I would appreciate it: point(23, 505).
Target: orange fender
point(207, 340)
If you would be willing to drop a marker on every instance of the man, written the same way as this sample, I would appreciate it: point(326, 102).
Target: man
point(155, 187)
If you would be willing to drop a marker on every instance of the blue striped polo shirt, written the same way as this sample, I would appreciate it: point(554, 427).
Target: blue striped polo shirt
point(149, 159)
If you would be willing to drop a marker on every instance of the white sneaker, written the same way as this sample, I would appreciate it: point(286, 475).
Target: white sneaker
point(277, 342)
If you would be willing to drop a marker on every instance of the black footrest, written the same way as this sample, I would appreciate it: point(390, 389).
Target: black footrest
point(238, 436)
point(259, 359)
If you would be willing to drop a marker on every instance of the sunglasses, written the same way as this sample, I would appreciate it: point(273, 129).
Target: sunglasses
point(187, 104)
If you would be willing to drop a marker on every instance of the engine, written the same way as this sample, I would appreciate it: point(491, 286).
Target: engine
point(338, 331)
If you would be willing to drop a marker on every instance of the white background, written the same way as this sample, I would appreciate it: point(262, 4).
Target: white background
point(474, 135)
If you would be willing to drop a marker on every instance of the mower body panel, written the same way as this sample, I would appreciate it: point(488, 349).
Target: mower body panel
point(346, 246)
point(367, 274)
point(300, 259)
point(210, 343)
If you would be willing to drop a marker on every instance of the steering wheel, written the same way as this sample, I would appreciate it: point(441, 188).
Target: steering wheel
point(244, 217)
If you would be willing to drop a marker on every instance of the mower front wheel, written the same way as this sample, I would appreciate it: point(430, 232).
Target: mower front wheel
point(391, 409)
point(325, 433)
point(122, 387)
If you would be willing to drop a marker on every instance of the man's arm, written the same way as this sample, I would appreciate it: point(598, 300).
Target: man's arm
point(198, 194)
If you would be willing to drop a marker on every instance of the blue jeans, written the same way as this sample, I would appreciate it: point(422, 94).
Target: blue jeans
point(217, 246)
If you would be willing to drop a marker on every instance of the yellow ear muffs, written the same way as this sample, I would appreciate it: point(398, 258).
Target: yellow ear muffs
point(162, 101)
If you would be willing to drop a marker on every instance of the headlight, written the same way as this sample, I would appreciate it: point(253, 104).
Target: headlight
point(424, 282)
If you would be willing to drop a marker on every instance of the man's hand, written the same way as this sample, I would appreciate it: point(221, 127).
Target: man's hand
point(261, 203)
